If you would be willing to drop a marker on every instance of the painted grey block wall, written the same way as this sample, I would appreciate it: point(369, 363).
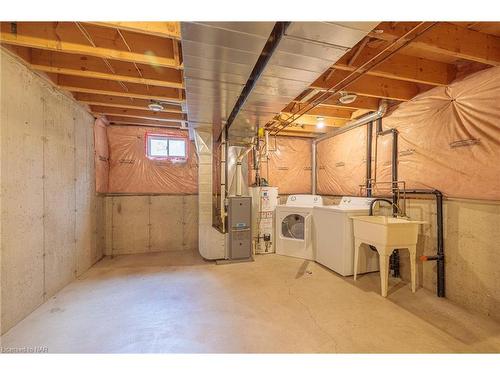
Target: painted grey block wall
point(151, 223)
point(49, 224)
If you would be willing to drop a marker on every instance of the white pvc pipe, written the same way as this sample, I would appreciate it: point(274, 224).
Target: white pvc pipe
point(239, 160)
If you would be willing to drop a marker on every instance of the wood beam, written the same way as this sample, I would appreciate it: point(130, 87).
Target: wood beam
point(108, 76)
point(403, 67)
point(446, 39)
point(492, 28)
point(63, 37)
point(137, 113)
point(162, 29)
point(299, 135)
point(312, 120)
point(107, 87)
point(304, 130)
point(143, 122)
point(374, 86)
point(121, 102)
point(331, 112)
point(93, 67)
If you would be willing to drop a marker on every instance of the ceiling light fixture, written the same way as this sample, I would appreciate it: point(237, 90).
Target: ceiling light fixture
point(320, 122)
point(346, 98)
point(155, 106)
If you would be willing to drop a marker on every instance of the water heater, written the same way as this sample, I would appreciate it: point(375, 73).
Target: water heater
point(264, 202)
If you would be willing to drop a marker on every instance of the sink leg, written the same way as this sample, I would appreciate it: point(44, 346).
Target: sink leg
point(384, 272)
point(413, 266)
point(357, 245)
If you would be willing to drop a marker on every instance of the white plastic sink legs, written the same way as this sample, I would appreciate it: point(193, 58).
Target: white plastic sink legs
point(384, 252)
point(387, 234)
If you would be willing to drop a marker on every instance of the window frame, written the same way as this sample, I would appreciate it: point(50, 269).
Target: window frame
point(168, 137)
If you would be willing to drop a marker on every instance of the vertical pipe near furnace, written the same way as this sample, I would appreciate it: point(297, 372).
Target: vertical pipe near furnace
point(369, 140)
point(394, 171)
point(313, 168)
point(440, 245)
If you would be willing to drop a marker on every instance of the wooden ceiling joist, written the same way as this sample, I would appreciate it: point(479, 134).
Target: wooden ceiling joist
point(163, 29)
point(446, 39)
point(373, 86)
point(122, 102)
point(93, 67)
point(116, 93)
point(137, 113)
point(65, 37)
point(143, 122)
point(331, 112)
point(312, 120)
point(107, 87)
point(108, 76)
point(289, 133)
point(403, 67)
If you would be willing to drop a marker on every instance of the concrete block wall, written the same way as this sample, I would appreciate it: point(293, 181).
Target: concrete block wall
point(49, 207)
point(150, 223)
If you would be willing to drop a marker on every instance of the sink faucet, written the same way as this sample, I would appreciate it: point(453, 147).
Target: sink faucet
point(383, 200)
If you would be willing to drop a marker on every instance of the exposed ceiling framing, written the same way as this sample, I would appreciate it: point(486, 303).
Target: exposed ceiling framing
point(115, 68)
point(441, 54)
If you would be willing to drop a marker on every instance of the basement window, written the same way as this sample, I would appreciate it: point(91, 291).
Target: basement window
point(161, 147)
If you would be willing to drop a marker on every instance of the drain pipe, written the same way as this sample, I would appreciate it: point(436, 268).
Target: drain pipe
point(369, 140)
point(372, 116)
point(394, 260)
point(394, 162)
point(439, 257)
point(314, 177)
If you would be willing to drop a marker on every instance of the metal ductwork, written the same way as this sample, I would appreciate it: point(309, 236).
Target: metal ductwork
point(363, 120)
point(305, 51)
point(219, 58)
point(372, 116)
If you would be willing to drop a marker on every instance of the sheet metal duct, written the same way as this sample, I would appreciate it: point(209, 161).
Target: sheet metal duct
point(219, 56)
point(306, 51)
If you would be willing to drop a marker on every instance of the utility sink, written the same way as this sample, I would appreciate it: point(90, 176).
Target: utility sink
point(386, 234)
point(386, 231)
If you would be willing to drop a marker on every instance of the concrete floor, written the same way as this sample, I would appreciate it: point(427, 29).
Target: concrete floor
point(179, 303)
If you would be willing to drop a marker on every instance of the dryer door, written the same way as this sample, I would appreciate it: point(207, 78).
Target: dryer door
point(293, 226)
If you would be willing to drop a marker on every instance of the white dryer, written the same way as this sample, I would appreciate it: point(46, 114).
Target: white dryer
point(334, 239)
point(294, 226)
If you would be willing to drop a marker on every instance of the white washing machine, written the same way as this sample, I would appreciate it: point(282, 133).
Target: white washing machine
point(334, 239)
point(294, 226)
